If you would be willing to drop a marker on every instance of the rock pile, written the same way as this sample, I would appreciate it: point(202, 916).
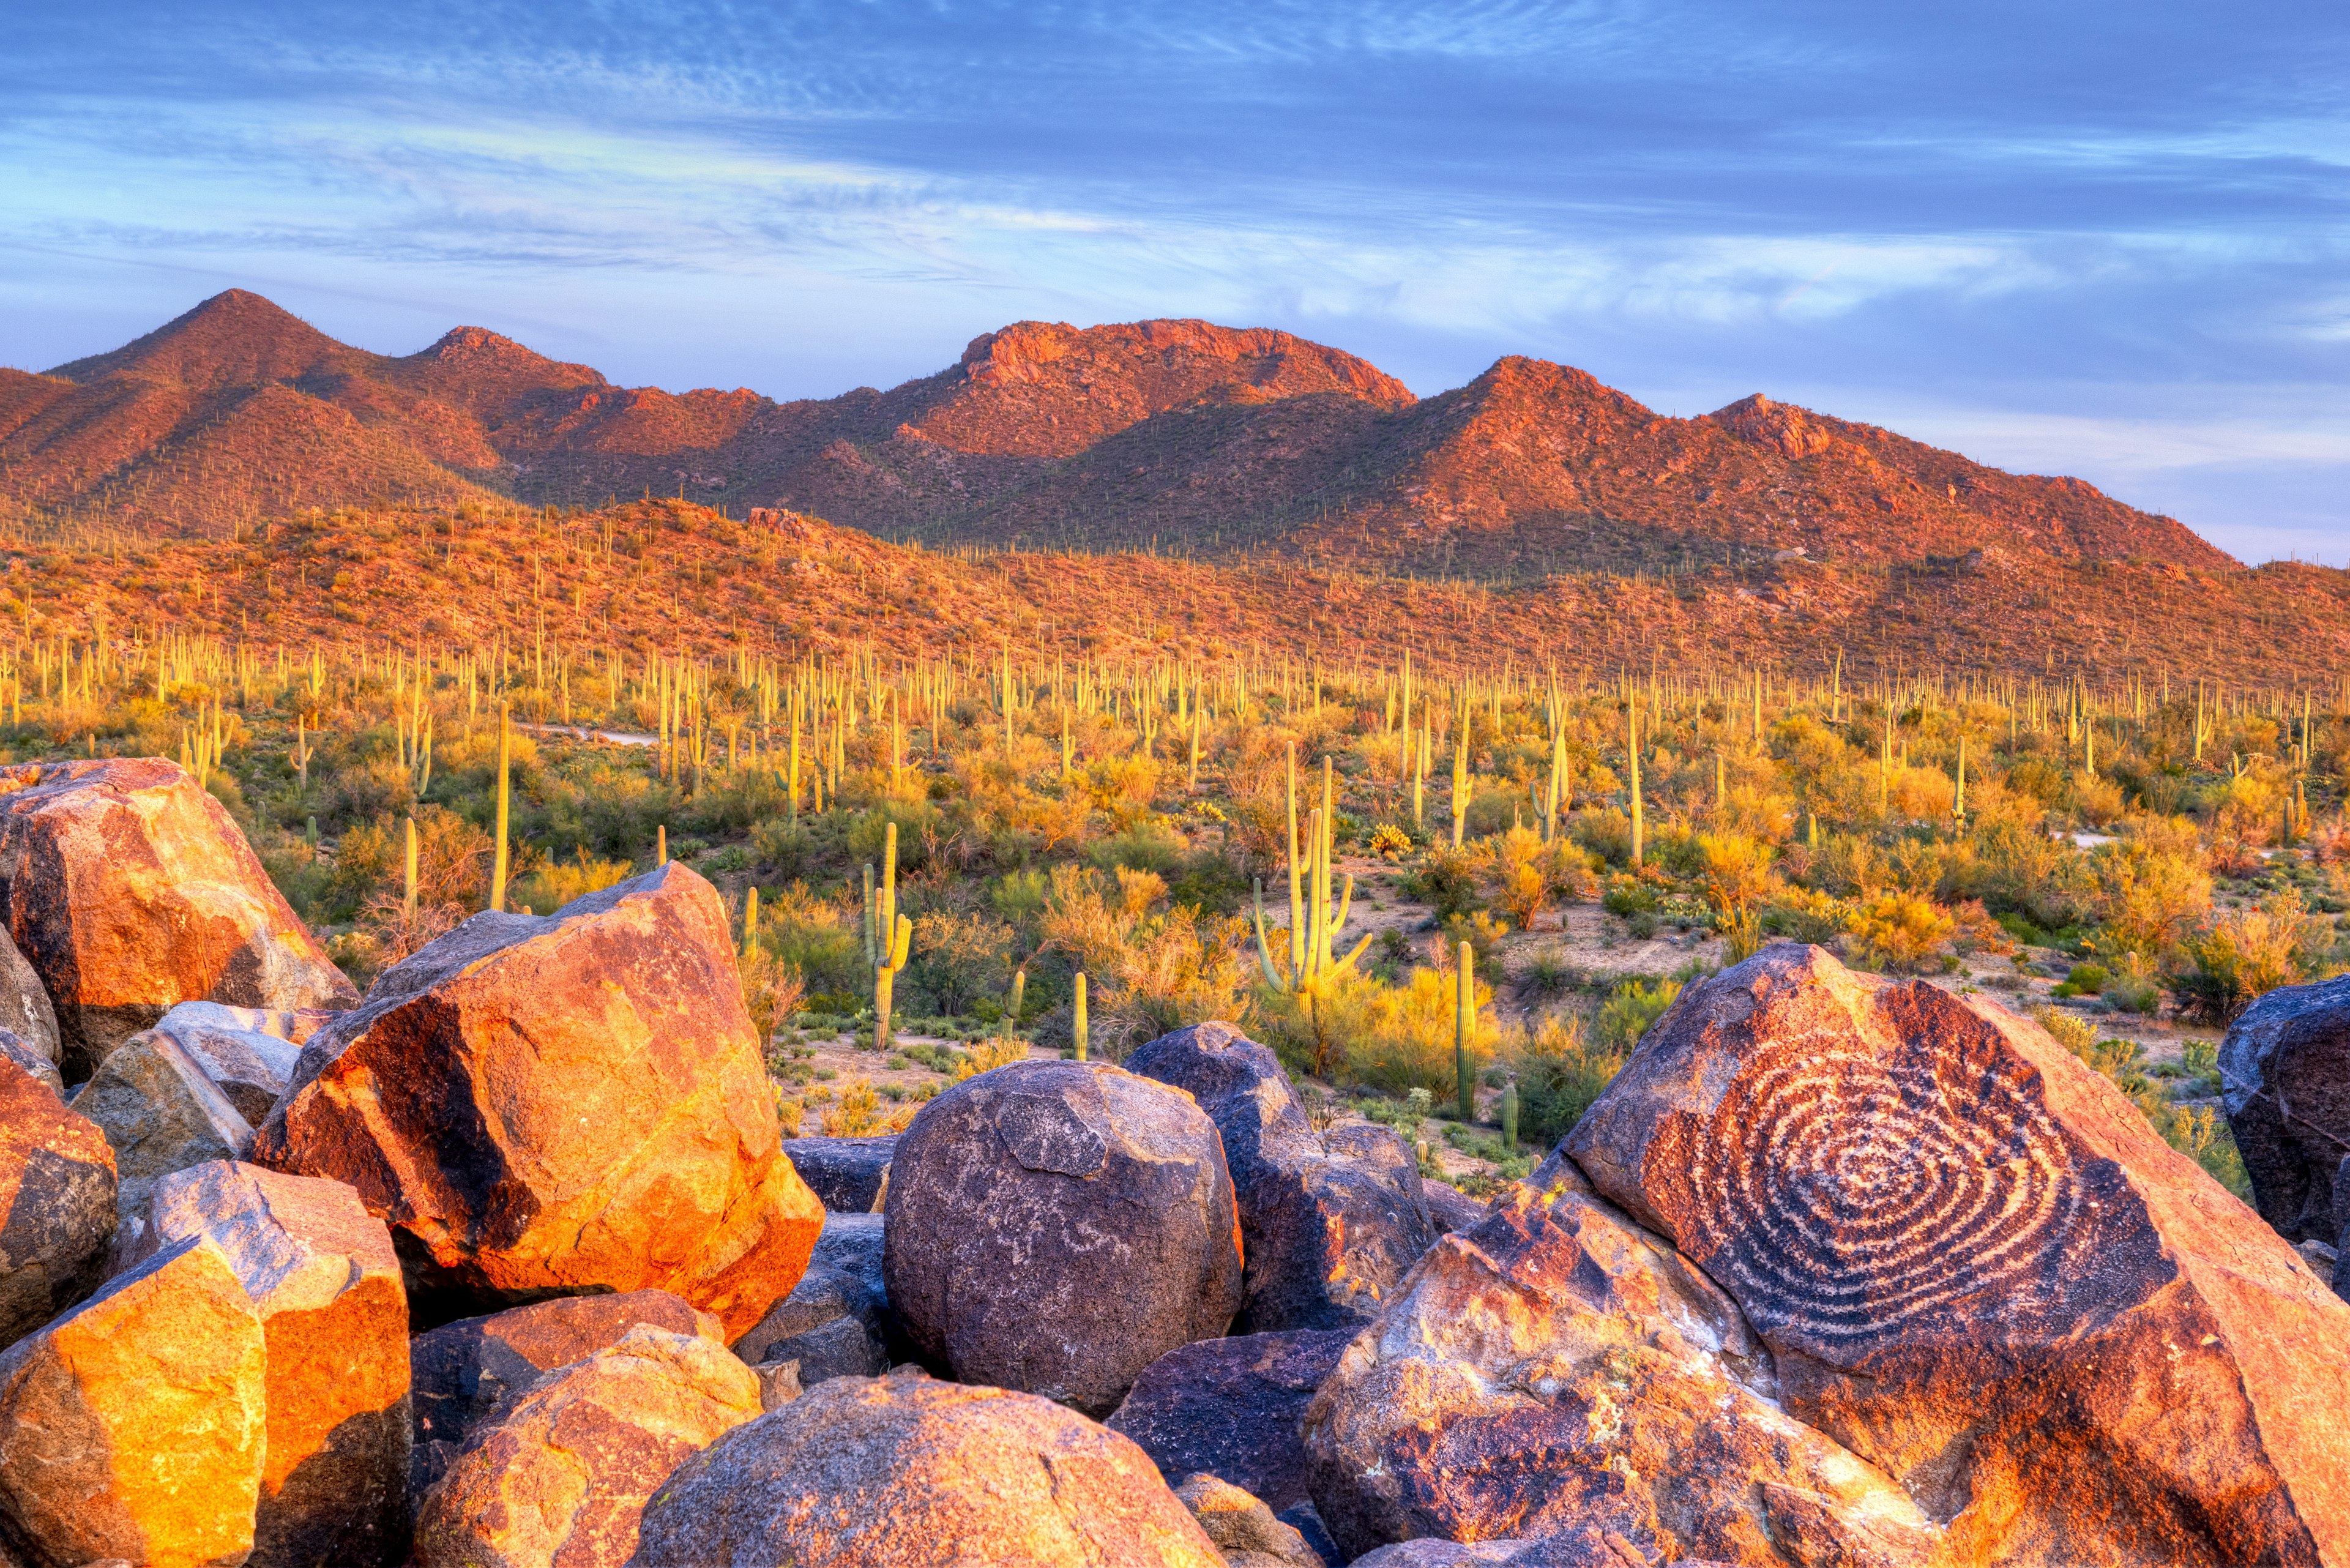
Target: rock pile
point(515, 1270)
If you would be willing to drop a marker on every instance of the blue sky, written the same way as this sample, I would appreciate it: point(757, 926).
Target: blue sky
point(2108, 241)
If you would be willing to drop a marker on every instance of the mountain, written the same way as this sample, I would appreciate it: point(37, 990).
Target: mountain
point(1205, 439)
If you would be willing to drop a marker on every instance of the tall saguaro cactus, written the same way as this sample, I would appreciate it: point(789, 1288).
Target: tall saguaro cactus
point(1314, 920)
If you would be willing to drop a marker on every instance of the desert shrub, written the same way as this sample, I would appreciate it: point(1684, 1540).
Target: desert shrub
point(2193, 1130)
point(1404, 1035)
point(771, 990)
point(551, 886)
point(1562, 1068)
point(960, 958)
point(1630, 1010)
point(1902, 931)
point(816, 940)
point(2245, 953)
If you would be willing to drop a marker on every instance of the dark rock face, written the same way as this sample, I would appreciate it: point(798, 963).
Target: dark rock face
point(57, 1203)
point(1977, 1266)
point(833, 1324)
point(1055, 1227)
point(2285, 1082)
point(549, 1106)
point(1557, 1368)
point(560, 1474)
point(1242, 1527)
point(903, 1471)
point(321, 1272)
point(845, 1173)
point(462, 1372)
point(1450, 1209)
point(1232, 1408)
point(24, 1009)
point(15, 1048)
point(1329, 1223)
point(130, 890)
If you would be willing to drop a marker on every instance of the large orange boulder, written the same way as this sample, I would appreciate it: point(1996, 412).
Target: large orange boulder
point(129, 890)
point(57, 1203)
point(905, 1472)
point(1556, 1369)
point(1977, 1266)
point(561, 1477)
point(1055, 1227)
point(134, 1427)
point(320, 1273)
point(560, 1104)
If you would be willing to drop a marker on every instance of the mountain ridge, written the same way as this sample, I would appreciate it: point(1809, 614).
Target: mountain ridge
point(1182, 433)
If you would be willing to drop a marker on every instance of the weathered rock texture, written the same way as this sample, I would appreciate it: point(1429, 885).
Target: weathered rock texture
point(321, 1275)
point(905, 1472)
point(249, 1052)
point(1554, 1368)
point(130, 890)
point(162, 1113)
point(1055, 1227)
point(134, 1427)
point(1233, 1407)
point(551, 1106)
point(32, 1059)
point(1329, 1224)
point(2284, 1073)
point(24, 1004)
point(835, 1323)
point(1586, 1548)
point(462, 1372)
point(846, 1173)
point(57, 1203)
point(1242, 1527)
point(1978, 1267)
point(561, 1475)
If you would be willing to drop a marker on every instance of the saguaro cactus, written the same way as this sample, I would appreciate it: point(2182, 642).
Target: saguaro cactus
point(1464, 1028)
point(498, 858)
point(1314, 920)
point(1077, 1029)
point(885, 980)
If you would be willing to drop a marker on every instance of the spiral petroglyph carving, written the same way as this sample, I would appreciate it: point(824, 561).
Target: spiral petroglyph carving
point(1851, 1194)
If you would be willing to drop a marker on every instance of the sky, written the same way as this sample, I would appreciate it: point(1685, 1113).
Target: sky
point(2101, 240)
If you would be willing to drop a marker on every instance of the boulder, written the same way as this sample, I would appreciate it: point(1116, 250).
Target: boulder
point(905, 1472)
point(1329, 1222)
point(2284, 1077)
point(1587, 1548)
point(834, 1322)
point(130, 890)
point(162, 1113)
point(57, 1203)
point(1055, 1227)
point(1448, 1207)
point(15, 1048)
point(551, 1106)
point(1233, 1407)
point(1557, 1368)
point(846, 1173)
point(247, 1053)
point(24, 1009)
point(463, 1372)
point(1978, 1268)
point(1242, 1527)
point(561, 1474)
point(134, 1427)
point(319, 1271)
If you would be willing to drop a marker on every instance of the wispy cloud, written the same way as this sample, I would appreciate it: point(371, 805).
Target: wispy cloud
point(1935, 209)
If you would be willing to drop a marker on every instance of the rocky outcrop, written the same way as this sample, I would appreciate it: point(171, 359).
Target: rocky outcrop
point(1556, 1367)
point(1242, 1527)
point(845, 1173)
point(1233, 1407)
point(1055, 1227)
point(24, 1009)
point(2285, 1074)
point(57, 1203)
point(130, 890)
point(1582, 1549)
point(319, 1272)
point(1976, 1265)
point(247, 1053)
point(1450, 1209)
point(906, 1472)
point(134, 1427)
point(836, 1321)
point(162, 1113)
point(461, 1373)
point(551, 1106)
point(1329, 1222)
point(561, 1475)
